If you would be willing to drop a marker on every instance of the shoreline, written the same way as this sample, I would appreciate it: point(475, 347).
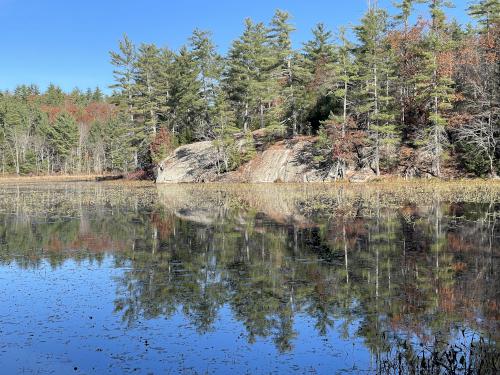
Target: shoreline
point(383, 180)
point(50, 178)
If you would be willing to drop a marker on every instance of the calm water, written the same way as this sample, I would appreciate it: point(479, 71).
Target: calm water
point(99, 279)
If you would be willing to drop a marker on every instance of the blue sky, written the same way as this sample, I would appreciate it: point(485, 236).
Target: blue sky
point(67, 42)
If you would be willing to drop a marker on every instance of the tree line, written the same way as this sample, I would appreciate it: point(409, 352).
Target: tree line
point(401, 96)
point(55, 132)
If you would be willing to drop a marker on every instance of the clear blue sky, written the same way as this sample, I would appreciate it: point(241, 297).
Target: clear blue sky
point(67, 41)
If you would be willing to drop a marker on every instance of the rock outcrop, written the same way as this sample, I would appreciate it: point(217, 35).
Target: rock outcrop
point(284, 161)
point(195, 162)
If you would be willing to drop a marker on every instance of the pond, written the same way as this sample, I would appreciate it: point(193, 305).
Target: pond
point(117, 278)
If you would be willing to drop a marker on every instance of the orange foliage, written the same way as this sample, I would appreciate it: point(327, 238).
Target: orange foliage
point(94, 111)
point(446, 63)
point(164, 225)
point(459, 266)
point(457, 244)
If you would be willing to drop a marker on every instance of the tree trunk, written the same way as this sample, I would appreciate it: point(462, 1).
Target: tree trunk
point(261, 115)
point(345, 107)
point(245, 121)
point(375, 93)
point(17, 159)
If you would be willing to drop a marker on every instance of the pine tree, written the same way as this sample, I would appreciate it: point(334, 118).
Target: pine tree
point(225, 130)
point(247, 79)
point(97, 95)
point(208, 63)
point(147, 68)
point(237, 76)
point(62, 137)
point(319, 57)
point(434, 85)
point(345, 76)
point(375, 102)
point(120, 146)
point(15, 129)
point(185, 99)
point(286, 108)
point(404, 44)
point(53, 96)
point(124, 60)
point(26, 91)
point(164, 87)
point(487, 12)
point(406, 8)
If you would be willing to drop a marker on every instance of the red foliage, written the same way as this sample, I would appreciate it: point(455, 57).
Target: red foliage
point(165, 225)
point(97, 111)
point(161, 144)
point(345, 143)
point(94, 111)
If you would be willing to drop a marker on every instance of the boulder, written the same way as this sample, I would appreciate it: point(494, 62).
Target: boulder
point(283, 162)
point(195, 162)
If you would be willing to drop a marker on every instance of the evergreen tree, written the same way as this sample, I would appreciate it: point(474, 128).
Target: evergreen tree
point(345, 75)
point(375, 102)
point(434, 85)
point(164, 87)
point(124, 60)
point(53, 96)
point(286, 108)
point(224, 134)
point(146, 99)
point(26, 91)
point(319, 57)
point(248, 78)
point(97, 95)
point(185, 99)
point(15, 130)
point(62, 136)
point(404, 44)
point(208, 63)
point(487, 12)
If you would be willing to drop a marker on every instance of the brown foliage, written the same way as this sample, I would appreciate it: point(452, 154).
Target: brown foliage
point(347, 142)
point(161, 145)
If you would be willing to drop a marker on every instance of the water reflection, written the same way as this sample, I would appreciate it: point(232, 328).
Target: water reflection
point(359, 266)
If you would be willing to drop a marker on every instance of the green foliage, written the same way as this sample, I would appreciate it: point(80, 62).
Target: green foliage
point(62, 136)
point(473, 161)
point(487, 12)
point(375, 68)
point(400, 92)
point(233, 149)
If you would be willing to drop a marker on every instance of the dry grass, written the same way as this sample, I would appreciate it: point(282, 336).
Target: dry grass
point(45, 178)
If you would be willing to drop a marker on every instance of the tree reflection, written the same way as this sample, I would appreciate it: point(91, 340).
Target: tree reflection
point(405, 272)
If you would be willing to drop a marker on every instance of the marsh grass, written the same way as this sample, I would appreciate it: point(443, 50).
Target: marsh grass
point(7, 179)
point(41, 196)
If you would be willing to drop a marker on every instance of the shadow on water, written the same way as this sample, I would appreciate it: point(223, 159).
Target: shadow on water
point(414, 279)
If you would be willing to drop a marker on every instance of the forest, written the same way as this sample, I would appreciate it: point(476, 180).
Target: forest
point(399, 94)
